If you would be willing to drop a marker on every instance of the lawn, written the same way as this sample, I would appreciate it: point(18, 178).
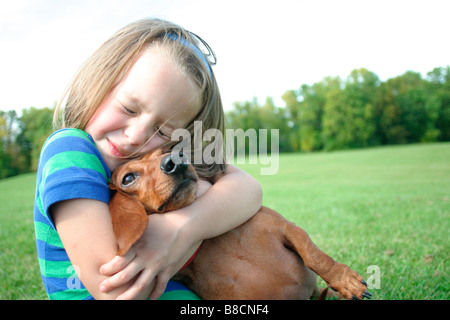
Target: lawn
point(383, 211)
point(387, 207)
point(19, 269)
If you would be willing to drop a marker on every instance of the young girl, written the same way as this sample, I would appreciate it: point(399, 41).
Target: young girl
point(147, 80)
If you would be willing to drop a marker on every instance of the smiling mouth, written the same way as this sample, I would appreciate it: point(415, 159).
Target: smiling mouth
point(115, 151)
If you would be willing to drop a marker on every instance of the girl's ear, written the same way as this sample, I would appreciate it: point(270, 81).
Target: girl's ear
point(129, 220)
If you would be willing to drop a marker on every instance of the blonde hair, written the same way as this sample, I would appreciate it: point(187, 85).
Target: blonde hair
point(113, 60)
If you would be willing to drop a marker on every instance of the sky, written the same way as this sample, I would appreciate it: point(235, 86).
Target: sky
point(263, 48)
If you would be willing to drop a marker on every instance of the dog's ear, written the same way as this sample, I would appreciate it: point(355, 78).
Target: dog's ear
point(129, 220)
point(112, 186)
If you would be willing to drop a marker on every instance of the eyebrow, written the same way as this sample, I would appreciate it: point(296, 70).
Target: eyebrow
point(131, 97)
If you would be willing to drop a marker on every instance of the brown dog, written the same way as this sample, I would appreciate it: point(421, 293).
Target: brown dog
point(268, 257)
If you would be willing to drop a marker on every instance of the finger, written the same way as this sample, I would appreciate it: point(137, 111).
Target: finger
point(141, 288)
point(120, 278)
point(117, 263)
point(161, 283)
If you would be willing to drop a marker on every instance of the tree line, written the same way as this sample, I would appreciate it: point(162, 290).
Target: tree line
point(333, 114)
point(21, 139)
point(359, 111)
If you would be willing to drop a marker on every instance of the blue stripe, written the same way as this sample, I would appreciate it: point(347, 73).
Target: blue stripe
point(174, 286)
point(38, 217)
point(85, 184)
point(57, 253)
point(57, 284)
point(93, 186)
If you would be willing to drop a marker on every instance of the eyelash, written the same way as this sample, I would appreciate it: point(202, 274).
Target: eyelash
point(128, 110)
point(157, 129)
point(160, 133)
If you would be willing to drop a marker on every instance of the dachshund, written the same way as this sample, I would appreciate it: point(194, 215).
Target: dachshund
point(266, 258)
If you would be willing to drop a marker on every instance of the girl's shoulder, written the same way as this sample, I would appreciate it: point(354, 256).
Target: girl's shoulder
point(68, 139)
point(72, 148)
point(68, 133)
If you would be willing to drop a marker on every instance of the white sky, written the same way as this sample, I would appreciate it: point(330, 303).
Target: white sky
point(263, 47)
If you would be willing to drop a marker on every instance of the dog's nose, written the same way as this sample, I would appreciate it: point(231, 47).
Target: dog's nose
point(172, 165)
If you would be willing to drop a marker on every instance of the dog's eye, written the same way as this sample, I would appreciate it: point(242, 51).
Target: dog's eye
point(128, 179)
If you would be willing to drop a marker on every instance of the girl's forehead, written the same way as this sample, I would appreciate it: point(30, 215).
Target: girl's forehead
point(154, 83)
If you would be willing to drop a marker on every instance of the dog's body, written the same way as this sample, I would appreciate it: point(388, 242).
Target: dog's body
point(254, 261)
point(268, 257)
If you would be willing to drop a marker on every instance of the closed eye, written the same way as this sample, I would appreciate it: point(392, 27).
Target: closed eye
point(128, 110)
point(161, 133)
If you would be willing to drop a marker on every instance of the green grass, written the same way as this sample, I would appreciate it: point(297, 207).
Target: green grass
point(387, 206)
point(19, 269)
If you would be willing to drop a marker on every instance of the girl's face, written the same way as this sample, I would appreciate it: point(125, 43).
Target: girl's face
point(153, 100)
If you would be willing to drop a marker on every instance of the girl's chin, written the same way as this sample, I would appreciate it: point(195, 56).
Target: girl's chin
point(111, 161)
point(114, 163)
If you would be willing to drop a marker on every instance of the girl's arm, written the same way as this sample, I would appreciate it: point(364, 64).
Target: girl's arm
point(85, 229)
point(233, 199)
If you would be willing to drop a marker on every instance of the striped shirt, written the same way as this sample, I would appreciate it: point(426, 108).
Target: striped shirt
point(71, 167)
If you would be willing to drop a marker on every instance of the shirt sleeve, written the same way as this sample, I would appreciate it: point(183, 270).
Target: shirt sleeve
point(71, 167)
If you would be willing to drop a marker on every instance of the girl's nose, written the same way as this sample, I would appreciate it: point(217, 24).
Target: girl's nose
point(137, 134)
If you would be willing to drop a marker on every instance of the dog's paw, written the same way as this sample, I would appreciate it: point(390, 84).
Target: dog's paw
point(348, 283)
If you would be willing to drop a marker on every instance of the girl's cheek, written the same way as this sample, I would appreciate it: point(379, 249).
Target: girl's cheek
point(154, 143)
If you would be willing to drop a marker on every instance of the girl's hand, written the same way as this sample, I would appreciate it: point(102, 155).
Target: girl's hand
point(155, 258)
point(151, 261)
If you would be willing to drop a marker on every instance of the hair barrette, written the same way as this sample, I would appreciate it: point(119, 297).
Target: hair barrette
point(195, 49)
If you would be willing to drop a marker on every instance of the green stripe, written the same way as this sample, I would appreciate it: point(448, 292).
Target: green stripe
point(71, 294)
point(47, 234)
point(39, 200)
point(179, 295)
point(69, 159)
point(56, 269)
point(39, 203)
